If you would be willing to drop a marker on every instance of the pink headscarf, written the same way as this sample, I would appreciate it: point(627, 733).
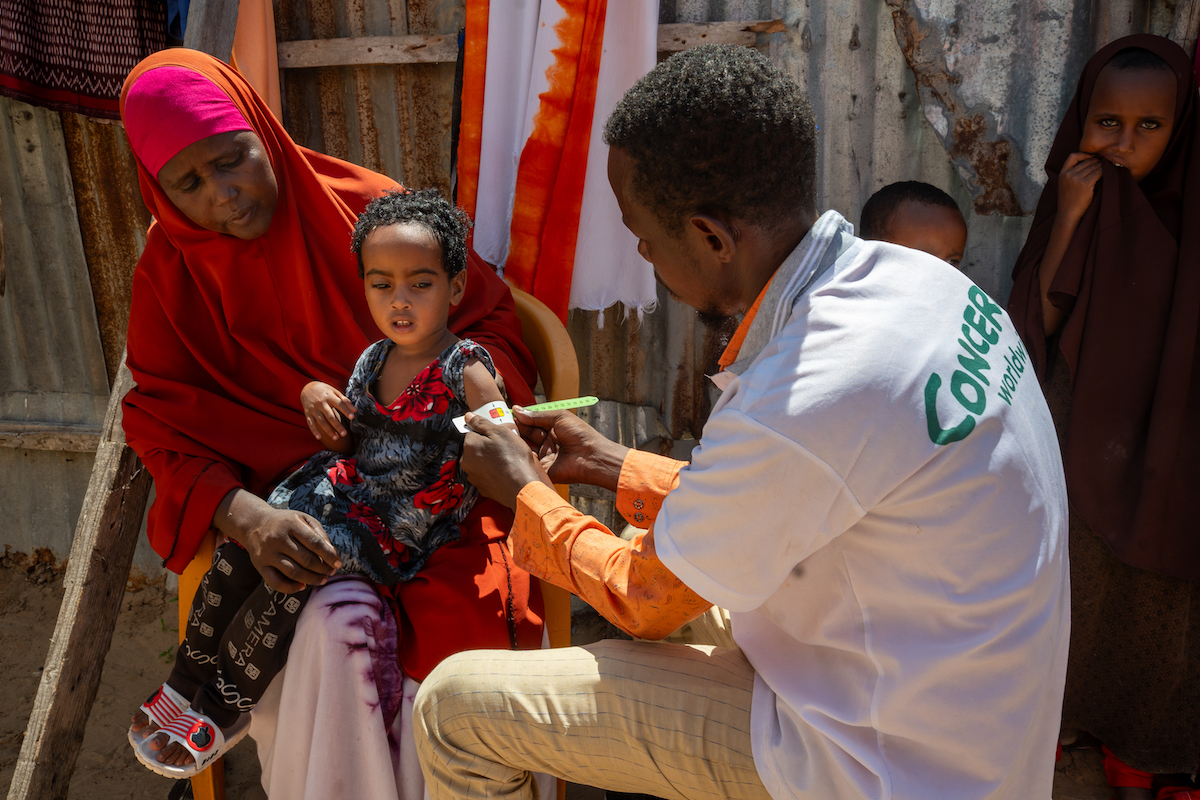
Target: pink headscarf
point(169, 108)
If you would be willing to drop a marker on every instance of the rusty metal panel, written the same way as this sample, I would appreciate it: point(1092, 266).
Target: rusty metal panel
point(51, 359)
point(966, 96)
point(1008, 69)
point(112, 220)
point(392, 119)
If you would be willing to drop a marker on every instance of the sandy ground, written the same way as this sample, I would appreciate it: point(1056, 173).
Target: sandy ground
point(138, 661)
point(144, 641)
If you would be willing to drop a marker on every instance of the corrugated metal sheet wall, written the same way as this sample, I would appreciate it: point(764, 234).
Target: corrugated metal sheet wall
point(54, 371)
point(1017, 64)
point(52, 364)
point(1008, 67)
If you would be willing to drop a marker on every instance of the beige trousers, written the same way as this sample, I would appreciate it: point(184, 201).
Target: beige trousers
point(663, 719)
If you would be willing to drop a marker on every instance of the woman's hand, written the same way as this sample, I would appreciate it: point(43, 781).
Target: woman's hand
point(322, 404)
point(289, 549)
point(570, 450)
point(1076, 186)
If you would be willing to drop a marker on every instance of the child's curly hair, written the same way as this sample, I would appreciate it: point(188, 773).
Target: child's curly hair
point(426, 207)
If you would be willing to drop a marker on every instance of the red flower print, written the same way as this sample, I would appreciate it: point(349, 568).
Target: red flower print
point(444, 494)
point(366, 515)
point(427, 396)
point(395, 552)
point(344, 472)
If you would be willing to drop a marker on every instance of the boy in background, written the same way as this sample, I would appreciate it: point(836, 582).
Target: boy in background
point(916, 215)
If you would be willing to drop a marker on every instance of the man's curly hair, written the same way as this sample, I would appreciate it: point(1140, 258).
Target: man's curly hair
point(427, 207)
point(718, 129)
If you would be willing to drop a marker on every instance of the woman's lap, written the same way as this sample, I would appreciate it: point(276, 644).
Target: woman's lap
point(337, 721)
point(330, 724)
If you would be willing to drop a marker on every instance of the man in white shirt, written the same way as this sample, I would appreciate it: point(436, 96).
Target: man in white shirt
point(877, 496)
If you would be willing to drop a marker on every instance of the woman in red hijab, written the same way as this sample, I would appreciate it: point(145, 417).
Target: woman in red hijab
point(246, 291)
point(1107, 297)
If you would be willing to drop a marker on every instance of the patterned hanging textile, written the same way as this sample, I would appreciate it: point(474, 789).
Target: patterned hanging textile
point(72, 55)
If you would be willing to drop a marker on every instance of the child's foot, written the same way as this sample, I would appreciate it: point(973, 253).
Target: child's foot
point(171, 753)
point(188, 744)
point(161, 708)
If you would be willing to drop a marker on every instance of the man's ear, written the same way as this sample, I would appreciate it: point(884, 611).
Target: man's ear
point(713, 236)
point(458, 287)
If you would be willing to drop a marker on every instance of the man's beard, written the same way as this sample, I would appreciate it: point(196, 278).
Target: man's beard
point(716, 320)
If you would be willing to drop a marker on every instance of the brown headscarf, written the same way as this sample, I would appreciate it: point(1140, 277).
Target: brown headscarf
point(1130, 287)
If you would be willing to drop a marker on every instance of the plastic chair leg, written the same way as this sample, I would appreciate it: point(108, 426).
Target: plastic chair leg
point(209, 784)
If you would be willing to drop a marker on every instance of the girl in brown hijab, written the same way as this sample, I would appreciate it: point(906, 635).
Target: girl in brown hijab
point(1107, 298)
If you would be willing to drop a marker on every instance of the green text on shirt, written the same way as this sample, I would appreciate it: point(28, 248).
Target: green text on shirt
point(967, 384)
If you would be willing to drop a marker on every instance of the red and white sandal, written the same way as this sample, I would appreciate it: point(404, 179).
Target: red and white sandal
point(200, 736)
point(162, 708)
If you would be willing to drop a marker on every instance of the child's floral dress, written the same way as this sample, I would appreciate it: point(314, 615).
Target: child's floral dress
point(400, 496)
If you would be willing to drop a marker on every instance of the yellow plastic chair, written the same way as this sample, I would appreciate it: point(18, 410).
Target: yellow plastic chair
point(558, 367)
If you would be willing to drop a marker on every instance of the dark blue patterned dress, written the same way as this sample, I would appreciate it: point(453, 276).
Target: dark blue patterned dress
point(400, 496)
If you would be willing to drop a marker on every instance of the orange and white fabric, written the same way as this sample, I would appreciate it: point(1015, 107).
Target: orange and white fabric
point(532, 162)
point(254, 52)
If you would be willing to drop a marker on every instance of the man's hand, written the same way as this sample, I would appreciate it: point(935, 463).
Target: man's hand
point(497, 462)
point(289, 549)
point(321, 403)
point(570, 450)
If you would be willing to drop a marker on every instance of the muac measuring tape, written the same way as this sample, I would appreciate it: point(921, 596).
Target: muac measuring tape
point(499, 413)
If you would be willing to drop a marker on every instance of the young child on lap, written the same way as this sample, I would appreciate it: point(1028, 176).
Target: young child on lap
point(916, 215)
point(387, 490)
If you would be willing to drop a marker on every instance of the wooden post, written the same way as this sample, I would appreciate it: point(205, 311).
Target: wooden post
point(211, 25)
point(1185, 25)
point(97, 572)
point(2, 279)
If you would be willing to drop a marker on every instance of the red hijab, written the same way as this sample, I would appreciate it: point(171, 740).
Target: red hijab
point(1130, 286)
point(223, 333)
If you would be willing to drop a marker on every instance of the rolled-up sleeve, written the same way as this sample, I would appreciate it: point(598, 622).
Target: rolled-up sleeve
point(623, 580)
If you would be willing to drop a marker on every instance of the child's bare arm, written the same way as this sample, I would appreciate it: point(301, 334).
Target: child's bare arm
point(481, 387)
point(324, 409)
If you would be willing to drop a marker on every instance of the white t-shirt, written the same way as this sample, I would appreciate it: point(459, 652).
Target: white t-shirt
point(904, 603)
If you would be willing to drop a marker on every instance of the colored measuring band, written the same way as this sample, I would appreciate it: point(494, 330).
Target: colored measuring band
point(563, 405)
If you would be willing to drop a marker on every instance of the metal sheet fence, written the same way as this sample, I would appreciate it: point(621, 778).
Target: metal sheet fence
point(895, 84)
point(1013, 64)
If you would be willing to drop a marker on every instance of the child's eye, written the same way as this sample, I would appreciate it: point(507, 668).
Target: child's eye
point(1151, 125)
point(1108, 123)
point(380, 286)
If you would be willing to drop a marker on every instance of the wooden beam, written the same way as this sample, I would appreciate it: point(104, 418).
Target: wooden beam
point(210, 27)
point(2, 275)
point(358, 50)
point(59, 437)
point(1185, 25)
point(95, 583)
point(443, 48)
point(684, 36)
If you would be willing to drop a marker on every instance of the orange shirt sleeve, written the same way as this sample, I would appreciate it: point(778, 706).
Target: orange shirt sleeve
point(622, 580)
